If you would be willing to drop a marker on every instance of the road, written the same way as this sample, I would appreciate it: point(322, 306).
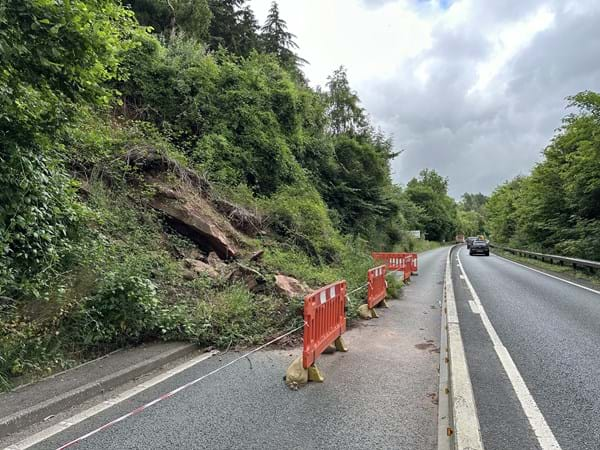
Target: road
point(551, 331)
point(381, 394)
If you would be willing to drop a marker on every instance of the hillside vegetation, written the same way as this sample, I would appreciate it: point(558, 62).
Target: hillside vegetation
point(556, 208)
point(151, 151)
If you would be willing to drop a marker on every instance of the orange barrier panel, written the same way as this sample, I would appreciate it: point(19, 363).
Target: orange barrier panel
point(413, 265)
point(324, 320)
point(392, 261)
point(408, 263)
point(377, 286)
point(405, 262)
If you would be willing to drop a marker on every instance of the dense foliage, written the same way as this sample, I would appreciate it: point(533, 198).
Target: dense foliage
point(472, 214)
point(557, 207)
point(430, 192)
point(88, 85)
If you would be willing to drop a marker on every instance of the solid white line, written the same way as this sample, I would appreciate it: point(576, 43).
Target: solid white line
point(78, 418)
point(467, 434)
point(536, 419)
point(551, 276)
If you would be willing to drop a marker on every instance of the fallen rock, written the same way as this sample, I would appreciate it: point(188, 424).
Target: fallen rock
point(189, 275)
point(214, 261)
point(250, 277)
point(291, 287)
point(257, 255)
point(200, 268)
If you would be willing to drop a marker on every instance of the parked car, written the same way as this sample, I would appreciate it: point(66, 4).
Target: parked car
point(470, 241)
point(480, 247)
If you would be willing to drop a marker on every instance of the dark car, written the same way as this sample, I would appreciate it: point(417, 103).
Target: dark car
point(470, 241)
point(479, 247)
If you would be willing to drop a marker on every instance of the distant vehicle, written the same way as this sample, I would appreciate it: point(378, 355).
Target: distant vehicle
point(481, 247)
point(460, 238)
point(470, 241)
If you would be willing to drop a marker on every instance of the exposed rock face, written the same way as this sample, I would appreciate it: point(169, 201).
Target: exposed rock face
point(241, 218)
point(199, 267)
point(291, 287)
point(194, 218)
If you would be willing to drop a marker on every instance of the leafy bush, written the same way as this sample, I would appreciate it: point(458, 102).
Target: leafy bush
point(298, 213)
point(394, 284)
point(123, 310)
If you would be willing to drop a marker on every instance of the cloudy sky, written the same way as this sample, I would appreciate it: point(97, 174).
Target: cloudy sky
point(472, 88)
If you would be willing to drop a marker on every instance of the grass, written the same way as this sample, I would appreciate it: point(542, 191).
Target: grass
point(562, 270)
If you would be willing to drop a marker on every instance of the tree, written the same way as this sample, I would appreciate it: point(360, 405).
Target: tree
point(430, 192)
point(557, 207)
point(191, 17)
point(278, 41)
point(345, 113)
point(471, 214)
point(233, 27)
point(473, 202)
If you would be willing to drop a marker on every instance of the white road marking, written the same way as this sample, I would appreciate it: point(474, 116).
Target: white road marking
point(78, 418)
point(467, 434)
point(474, 307)
point(536, 419)
point(551, 276)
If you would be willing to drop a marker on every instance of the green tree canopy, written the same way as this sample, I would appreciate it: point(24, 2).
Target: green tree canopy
point(430, 192)
point(557, 207)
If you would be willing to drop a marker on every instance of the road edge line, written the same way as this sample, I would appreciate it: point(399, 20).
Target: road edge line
point(556, 277)
point(21, 419)
point(463, 430)
point(536, 419)
point(104, 405)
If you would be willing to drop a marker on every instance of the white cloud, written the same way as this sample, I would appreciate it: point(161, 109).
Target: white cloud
point(481, 84)
point(509, 41)
point(370, 42)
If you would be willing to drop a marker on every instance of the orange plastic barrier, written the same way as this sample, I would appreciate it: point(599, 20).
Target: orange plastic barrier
point(405, 262)
point(415, 267)
point(377, 286)
point(413, 262)
point(408, 263)
point(325, 320)
point(392, 261)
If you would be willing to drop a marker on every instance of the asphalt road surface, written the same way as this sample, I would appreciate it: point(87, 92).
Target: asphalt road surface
point(381, 394)
point(551, 330)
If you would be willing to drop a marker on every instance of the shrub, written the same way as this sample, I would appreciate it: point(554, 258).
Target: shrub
point(298, 213)
point(123, 310)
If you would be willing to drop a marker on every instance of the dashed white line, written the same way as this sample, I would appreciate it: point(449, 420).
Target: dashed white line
point(536, 419)
point(474, 307)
